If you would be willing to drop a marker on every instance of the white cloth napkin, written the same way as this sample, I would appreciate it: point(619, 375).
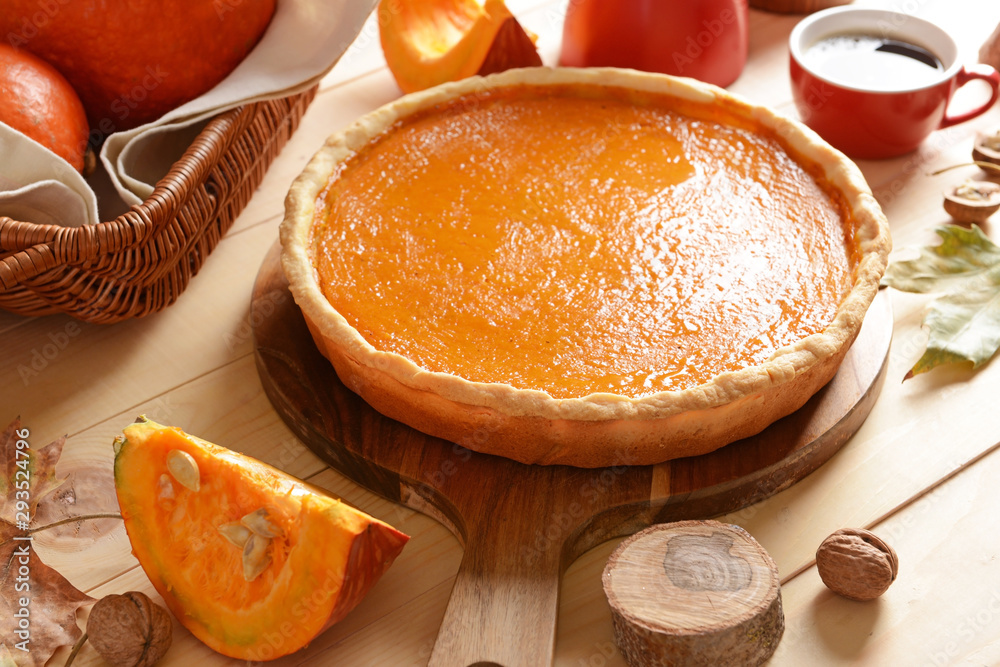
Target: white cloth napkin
point(38, 186)
point(302, 43)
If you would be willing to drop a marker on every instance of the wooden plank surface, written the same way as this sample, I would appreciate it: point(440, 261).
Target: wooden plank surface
point(921, 472)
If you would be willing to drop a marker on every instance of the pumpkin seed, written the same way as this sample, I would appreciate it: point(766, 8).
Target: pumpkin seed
point(184, 469)
point(261, 523)
point(236, 533)
point(165, 490)
point(255, 556)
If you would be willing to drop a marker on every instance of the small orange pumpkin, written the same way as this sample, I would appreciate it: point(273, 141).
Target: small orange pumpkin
point(428, 42)
point(131, 62)
point(254, 562)
point(40, 103)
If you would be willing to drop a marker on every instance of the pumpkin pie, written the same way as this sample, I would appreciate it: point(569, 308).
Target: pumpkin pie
point(589, 267)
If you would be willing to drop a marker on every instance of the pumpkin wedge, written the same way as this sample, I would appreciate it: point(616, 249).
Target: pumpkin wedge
point(428, 42)
point(254, 562)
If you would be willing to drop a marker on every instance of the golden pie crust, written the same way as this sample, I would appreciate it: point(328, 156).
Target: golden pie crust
point(601, 428)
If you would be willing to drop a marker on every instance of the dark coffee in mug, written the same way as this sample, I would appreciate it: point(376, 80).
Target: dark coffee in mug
point(871, 62)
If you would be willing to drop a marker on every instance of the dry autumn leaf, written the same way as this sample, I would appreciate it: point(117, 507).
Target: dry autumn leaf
point(87, 492)
point(964, 321)
point(26, 477)
point(53, 602)
point(37, 468)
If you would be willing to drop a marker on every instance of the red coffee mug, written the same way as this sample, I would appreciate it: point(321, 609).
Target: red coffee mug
point(702, 39)
point(863, 120)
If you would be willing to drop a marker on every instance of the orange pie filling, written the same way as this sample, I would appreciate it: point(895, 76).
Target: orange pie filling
point(556, 239)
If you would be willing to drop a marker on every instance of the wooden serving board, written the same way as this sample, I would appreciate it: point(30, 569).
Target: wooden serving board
point(522, 525)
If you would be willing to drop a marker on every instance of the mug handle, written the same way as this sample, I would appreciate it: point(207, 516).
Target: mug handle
point(971, 73)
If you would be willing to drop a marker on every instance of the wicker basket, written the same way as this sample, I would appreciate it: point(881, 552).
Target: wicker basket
point(140, 262)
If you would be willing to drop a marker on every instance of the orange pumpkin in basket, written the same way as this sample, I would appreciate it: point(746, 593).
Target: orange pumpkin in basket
point(131, 62)
point(40, 103)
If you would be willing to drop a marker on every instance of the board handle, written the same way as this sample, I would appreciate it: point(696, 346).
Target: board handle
point(503, 606)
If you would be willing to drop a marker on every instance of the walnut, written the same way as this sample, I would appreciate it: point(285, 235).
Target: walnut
point(973, 201)
point(856, 563)
point(129, 630)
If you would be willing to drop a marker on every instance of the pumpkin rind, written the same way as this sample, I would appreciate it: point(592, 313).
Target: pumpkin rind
point(428, 42)
point(325, 560)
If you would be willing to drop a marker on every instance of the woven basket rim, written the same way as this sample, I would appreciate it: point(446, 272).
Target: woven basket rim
point(188, 171)
point(183, 215)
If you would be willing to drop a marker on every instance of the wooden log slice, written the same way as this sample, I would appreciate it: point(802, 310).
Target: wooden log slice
point(694, 593)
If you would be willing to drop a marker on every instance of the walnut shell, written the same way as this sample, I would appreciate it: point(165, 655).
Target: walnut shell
point(856, 564)
point(973, 201)
point(129, 630)
point(987, 148)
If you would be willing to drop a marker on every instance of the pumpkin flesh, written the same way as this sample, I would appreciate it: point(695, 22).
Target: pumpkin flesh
point(326, 557)
point(428, 42)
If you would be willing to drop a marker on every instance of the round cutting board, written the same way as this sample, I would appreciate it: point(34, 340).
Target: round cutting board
point(522, 525)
